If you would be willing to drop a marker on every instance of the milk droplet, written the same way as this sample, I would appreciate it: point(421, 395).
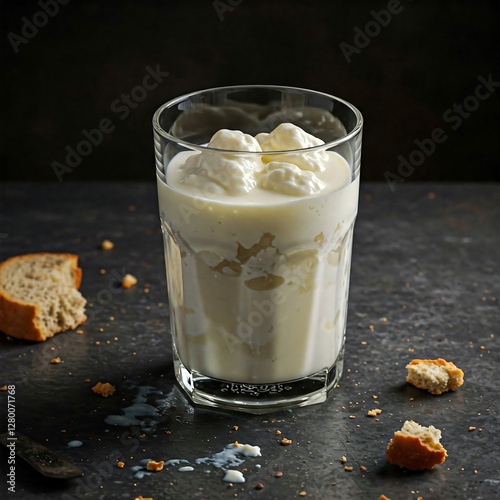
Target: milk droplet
point(233, 476)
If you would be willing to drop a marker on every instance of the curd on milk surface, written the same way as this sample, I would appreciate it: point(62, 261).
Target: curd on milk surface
point(258, 241)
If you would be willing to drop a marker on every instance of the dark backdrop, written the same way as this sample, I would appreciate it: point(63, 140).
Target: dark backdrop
point(67, 70)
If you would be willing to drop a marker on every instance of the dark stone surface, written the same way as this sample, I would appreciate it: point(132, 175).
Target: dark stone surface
point(429, 264)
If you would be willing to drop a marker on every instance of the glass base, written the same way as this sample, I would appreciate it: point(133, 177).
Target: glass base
point(258, 398)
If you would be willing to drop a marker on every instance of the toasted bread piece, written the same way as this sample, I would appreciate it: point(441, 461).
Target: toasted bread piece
point(434, 375)
point(416, 447)
point(39, 295)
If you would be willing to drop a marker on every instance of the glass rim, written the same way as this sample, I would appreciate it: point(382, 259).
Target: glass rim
point(196, 147)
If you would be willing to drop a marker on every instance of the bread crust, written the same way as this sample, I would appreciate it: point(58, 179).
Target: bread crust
point(455, 374)
point(413, 454)
point(19, 319)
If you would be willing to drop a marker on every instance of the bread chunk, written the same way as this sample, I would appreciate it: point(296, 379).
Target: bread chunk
point(39, 295)
point(434, 375)
point(416, 447)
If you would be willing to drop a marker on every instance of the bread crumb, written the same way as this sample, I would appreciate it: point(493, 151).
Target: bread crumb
point(278, 474)
point(383, 497)
point(107, 245)
point(104, 390)
point(416, 447)
point(286, 442)
point(55, 361)
point(140, 497)
point(129, 281)
point(343, 459)
point(374, 412)
point(235, 427)
point(278, 432)
point(352, 416)
point(303, 493)
point(156, 466)
point(362, 468)
point(3, 388)
point(236, 444)
point(472, 428)
point(434, 375)
point(80, 332)
point(372, 328)
point(87, 380)
point(348, 468)
point(120, 465)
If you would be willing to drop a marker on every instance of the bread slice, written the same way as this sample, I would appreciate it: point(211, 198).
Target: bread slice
point(39, 295)
point(434, 375)
point(416, 447)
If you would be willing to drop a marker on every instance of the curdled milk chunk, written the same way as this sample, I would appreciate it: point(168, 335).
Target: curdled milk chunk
point(287, 178)
point(233, 140)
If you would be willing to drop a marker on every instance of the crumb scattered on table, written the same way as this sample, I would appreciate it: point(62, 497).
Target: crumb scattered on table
point(107, 245)
point(155, 466)
point(129, 281)
point(104, 390)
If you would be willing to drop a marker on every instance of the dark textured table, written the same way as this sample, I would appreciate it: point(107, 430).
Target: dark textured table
point(424, 283)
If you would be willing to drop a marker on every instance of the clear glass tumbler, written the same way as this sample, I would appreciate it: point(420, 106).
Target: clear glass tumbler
point(258, 242)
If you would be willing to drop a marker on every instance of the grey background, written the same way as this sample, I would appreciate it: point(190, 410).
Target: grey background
point(73, 72)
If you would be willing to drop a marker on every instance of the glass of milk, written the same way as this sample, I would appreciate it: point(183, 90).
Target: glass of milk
point(258, 193)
